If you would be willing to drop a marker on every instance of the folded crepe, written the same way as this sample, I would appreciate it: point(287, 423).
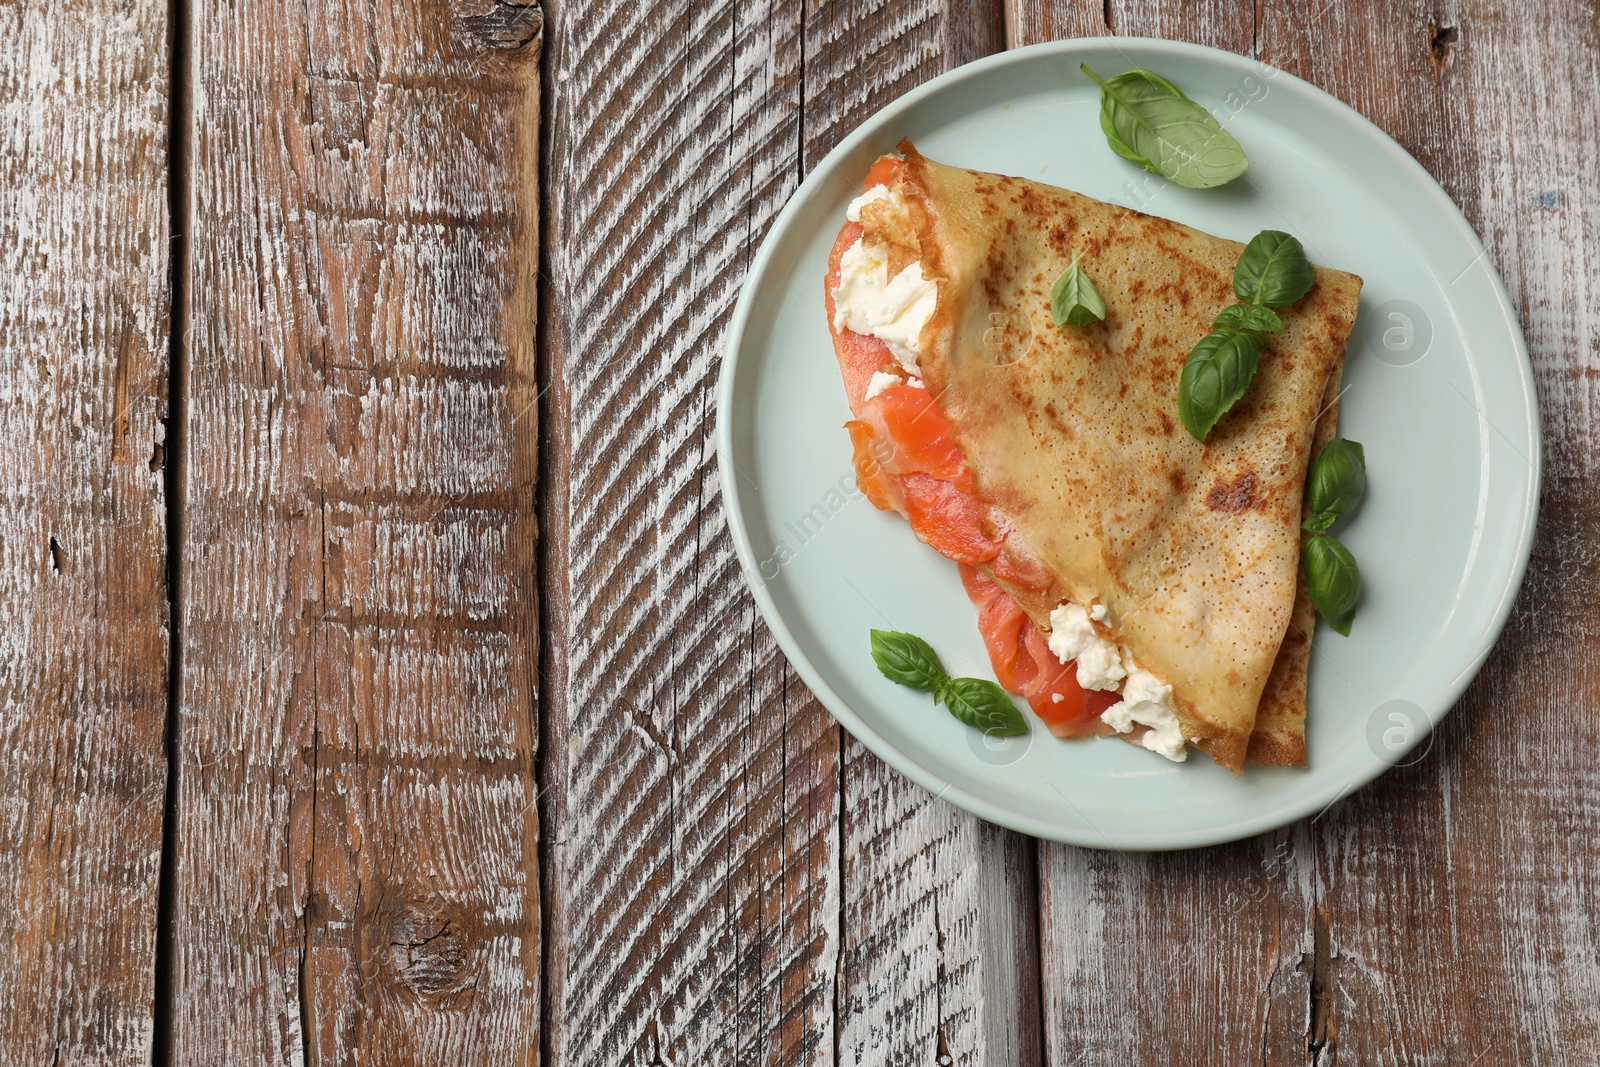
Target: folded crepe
point(1093, 531)
point(1279, 737)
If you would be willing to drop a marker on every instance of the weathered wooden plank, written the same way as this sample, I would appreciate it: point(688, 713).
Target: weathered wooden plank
point(1197, 951)
point(1465, 929)
point(1226, 24)
point(356, 869)
point(1219, 23)
point(940, 934)
point(1033, 21)
point(84, 334)
point(691, 785)
point(939, 927)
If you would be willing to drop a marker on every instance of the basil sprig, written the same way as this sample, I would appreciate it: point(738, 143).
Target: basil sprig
point(1335, 484)
point(1334, 487)
point(1150, 121)
point(1074, 301)
point(1272, 272)
point(983, 705)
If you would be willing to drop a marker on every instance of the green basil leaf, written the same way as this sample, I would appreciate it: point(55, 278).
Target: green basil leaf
point(983, 705)
point(1272, 270)
point(1148, 120)
point(1248, 317)
point(1118, 145)
point(1317, 522)
point(1332, 580)
point(1333, 488)
point(1074, 301)
point(1215, 376)
point(908, 660)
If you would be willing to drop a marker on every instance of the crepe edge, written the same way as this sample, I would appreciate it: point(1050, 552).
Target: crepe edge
point(1280, 740)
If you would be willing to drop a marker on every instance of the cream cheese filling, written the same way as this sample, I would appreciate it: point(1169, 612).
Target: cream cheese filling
point(1104, 664)
point(870, 302)
point(883, 379)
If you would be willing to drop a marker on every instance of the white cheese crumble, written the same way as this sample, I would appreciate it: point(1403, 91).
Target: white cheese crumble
point(869, 302)
point(1148, 701)
point(883, 379)
point(876, 193)
point(1073, 637)
point(1103, 664)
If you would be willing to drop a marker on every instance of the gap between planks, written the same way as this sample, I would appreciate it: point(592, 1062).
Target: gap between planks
point(180, 111)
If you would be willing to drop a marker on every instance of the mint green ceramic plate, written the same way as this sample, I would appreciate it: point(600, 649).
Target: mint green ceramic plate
point(1440, 393)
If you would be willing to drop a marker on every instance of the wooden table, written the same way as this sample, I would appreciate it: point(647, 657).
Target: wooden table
point(377, 683)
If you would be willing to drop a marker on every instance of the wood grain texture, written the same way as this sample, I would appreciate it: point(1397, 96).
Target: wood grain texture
point(83, 615)
point(1226, 24)
point(1033, 21)
point(940, 929)
point(691, 785)
point(356, 831)
point(1447, 913)
point(1208, 952)
point(940, 926)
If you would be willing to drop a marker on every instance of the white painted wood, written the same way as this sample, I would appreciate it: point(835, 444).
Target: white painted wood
point(83, 619)
point(691, 784)
point(712, 930)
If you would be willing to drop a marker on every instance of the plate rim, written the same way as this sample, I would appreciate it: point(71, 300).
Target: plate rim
point(1157, 840)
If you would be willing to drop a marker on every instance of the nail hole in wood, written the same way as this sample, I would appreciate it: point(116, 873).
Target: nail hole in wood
point(1443, 44)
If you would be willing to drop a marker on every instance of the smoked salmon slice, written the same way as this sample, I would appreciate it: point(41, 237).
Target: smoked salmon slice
point(1024, 664)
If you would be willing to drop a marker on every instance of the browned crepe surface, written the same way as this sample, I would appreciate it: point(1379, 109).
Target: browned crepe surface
point(1073, 432)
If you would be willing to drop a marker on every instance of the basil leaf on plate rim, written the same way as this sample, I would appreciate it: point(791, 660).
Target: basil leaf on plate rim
point(1074, 301)
point(1332, 580)
point(1148, 120)
point(911, 661)
point(1334, 486)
